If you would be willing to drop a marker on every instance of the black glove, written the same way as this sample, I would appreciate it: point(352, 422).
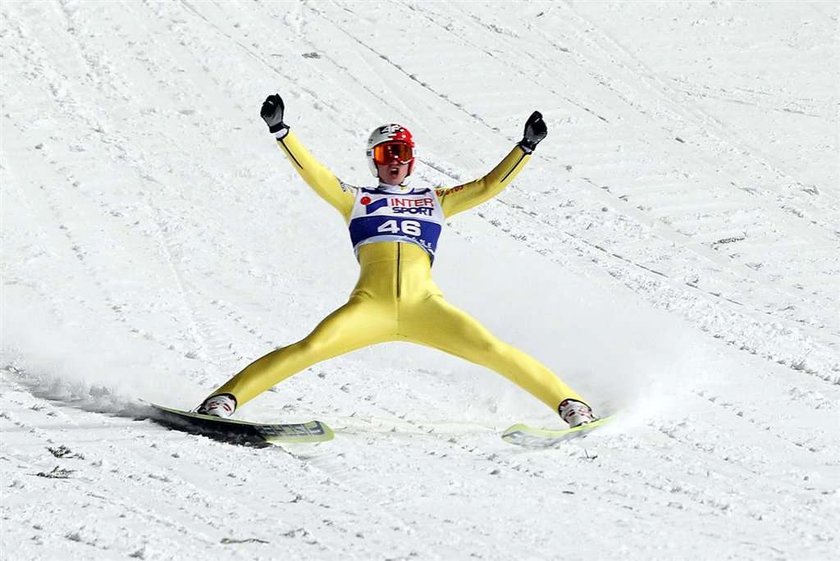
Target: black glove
point(535, 131)
point(272, 114)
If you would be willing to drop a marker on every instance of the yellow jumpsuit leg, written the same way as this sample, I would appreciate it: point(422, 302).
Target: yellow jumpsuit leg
point(396, 299)
point(436, 323)
point(359, 323)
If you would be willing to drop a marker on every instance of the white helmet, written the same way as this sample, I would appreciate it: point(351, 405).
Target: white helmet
point(396, 143)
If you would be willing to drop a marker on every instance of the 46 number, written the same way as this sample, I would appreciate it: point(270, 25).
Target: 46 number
point(407, 227)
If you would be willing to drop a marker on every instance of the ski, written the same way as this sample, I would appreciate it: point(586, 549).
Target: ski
point(533, 437)
point(240, 432)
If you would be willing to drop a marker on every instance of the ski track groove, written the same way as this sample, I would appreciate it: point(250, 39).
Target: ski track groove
point(702, 121)
point(647, 77)
point(315, 97)
point(710, 127)
point(762, 425)
point(781, 497)
point(459, 107)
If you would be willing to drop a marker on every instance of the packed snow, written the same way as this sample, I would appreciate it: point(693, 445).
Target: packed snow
point(672, 251)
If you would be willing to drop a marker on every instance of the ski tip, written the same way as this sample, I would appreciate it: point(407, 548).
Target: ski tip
point(519, 427)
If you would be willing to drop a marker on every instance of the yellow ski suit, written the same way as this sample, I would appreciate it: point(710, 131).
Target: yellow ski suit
point(395, 298)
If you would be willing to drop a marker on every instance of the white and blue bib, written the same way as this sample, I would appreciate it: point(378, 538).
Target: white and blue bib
point(379, 215)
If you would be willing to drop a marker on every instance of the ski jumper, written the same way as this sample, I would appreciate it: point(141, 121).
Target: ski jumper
point(394, 231)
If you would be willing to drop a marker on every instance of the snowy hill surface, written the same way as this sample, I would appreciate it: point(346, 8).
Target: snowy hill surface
point(672, 251)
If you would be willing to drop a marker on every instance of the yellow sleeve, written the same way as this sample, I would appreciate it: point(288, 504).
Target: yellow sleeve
point(317, 176)
point(464, 197)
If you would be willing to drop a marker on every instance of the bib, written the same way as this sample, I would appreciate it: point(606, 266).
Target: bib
point(380, 216)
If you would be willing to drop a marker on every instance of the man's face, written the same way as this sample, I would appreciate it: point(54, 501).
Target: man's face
point(393, 173)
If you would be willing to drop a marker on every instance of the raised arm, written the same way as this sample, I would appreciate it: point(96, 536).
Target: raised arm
point(316, 175)
point(466, 196)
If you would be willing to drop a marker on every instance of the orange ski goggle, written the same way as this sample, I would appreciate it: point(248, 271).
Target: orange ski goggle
point(389, 152)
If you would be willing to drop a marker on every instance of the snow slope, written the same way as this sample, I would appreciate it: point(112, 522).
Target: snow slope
point(672, 250)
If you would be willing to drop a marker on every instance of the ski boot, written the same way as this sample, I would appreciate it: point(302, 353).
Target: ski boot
point(222, 405)
point(576, 413)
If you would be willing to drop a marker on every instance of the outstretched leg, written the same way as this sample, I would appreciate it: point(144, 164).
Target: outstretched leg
point(357, 324)
point(438, 324)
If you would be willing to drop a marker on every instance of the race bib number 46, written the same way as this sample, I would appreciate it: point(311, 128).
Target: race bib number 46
point(414, 217)
point(407, 227)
